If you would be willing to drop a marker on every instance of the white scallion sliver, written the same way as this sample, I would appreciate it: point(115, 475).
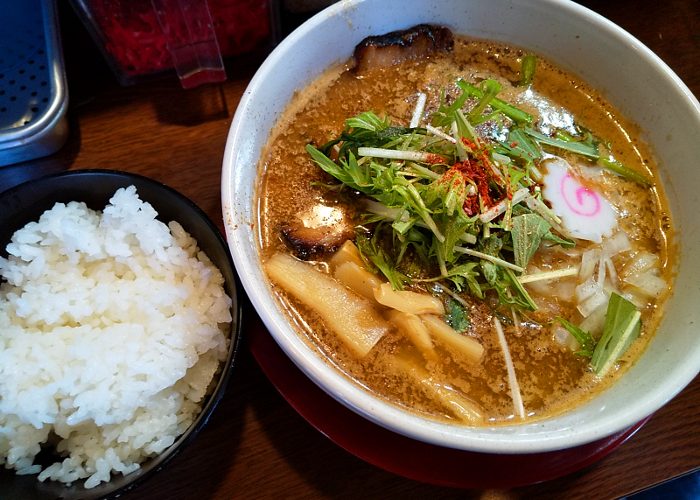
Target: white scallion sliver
point(468, 238)
point(439, 133)
point(490, 258)
point(549, 275)
point(543, 210)
point(496, 171)
point(394, 154)
point(601, 270)
point(425, 172)
point(612, 272)
point(536, 174)
point(471, 132)
point(452, 294)
point(512, 379)
point(502, 159)
point(380, 209)
point(461, 151)
point(588, 260)
point(500, 207)
point(455, 132)
point(418, 111)
point(541, 287)
point(516, 321)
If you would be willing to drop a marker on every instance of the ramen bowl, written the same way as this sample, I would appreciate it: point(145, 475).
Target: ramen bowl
point(628, 74)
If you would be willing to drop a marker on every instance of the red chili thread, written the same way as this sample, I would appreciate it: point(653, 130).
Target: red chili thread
point(470, 172)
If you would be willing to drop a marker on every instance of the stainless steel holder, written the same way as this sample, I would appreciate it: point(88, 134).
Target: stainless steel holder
point(33, 95)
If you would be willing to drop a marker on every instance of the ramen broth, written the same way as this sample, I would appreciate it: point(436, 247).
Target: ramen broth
point(550, 375)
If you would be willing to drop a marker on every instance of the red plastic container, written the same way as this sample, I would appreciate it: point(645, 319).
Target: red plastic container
point(145, 37)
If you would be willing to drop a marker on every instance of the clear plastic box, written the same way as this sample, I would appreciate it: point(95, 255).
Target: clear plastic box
point(139, 38)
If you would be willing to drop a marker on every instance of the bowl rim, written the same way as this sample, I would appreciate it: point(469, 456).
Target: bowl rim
point(159, 462)
point(483, 439)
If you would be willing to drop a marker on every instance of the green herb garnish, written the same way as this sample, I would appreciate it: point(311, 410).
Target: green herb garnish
point(623, 171)
point(588, 146)
point(454, 206)
point(527, 69)
point(512, 112)
point(585, 340)
point(457, 316)
point(371, 251)
point(527, 232)
point(622, 326)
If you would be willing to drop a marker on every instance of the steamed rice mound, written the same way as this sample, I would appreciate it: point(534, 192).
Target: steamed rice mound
point(111, 329)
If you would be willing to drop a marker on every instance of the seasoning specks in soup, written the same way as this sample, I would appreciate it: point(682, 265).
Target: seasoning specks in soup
point(464, 229)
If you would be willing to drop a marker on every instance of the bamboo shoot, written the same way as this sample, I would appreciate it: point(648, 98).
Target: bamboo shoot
point(466, 347)
point(357, 279)
point(412, 326)
point(449, 398)
point(348, 252)
point(353, 318)
point(406, 301)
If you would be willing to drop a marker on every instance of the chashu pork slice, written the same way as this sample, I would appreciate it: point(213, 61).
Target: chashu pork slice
point(392, 48)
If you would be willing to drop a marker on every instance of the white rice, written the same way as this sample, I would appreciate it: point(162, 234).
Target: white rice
point(111, 329)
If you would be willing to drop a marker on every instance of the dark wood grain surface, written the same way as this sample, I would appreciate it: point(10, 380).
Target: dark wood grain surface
point(256, 445)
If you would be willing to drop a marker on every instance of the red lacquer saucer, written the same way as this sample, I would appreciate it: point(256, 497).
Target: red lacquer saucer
point(405, 456)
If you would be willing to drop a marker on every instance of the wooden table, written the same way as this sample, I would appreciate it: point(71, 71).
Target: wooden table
point(256, 445)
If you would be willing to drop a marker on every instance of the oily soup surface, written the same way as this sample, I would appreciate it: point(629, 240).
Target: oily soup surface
point(551, 377)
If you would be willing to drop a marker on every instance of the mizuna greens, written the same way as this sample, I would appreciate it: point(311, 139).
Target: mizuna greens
point(457, 206)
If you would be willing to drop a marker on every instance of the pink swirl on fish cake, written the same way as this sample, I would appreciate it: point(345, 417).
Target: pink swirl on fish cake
point(580, 199)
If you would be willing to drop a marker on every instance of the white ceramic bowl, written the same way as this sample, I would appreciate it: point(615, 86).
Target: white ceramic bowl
point(636, 81)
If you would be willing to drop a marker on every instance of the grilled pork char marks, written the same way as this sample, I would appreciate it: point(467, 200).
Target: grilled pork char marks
point(392, 48)
point(309, 243)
